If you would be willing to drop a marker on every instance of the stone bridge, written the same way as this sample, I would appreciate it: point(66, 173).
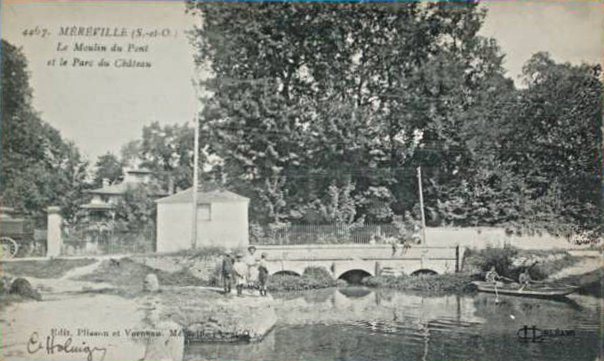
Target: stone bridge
point(352, 262)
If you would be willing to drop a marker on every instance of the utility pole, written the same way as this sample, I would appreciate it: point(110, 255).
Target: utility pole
point(195, 171)
point(421, 204)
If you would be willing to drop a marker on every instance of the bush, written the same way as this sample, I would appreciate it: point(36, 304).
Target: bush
point(483, 260)
point(312, 278)
point(317, 273)
point(510, 261)
point(446, 283)
point(548, 263)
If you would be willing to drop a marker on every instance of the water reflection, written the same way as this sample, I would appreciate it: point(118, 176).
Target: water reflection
point(362, 324)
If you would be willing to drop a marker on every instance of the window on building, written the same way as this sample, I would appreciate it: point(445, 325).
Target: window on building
point(204, 212)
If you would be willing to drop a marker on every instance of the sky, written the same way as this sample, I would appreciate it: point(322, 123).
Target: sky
point(100, 109)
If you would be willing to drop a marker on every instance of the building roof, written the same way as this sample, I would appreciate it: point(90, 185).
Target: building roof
point(138, 171)
point(213, 196)
point(100, 206)
point(119, 189)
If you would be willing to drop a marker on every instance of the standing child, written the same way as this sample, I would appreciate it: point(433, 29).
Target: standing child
point(252, 266)
point(262, 274)
point(227, 272)
point(394, 247)
point(240, 273)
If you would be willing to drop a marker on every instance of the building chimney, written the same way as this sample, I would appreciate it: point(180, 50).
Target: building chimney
point(106, 182)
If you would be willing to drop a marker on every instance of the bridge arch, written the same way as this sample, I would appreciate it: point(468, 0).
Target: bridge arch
point(424, 271)
point(286, 273)
point(354, 275)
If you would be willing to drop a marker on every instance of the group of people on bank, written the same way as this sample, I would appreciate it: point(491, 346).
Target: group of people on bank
point(247, 270)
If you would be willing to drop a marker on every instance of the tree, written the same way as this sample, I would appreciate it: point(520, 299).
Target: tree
point(109, 167)
point(554, 142)
point(306, 96)
point(38, 168)
point(168, 152)
point(136, 211)
point(130, 153)
point(318, 93)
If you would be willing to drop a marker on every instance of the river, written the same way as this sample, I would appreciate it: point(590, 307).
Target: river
point(359, 324)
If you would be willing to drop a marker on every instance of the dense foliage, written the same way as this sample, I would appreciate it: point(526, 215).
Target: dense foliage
point(108, 167)
point(312, 278)
point(510, 261)
point(312, 101)
point(446, 283)
point(38, 168)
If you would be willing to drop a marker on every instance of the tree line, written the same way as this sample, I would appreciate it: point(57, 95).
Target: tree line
point(317, 107)
point(321, 113)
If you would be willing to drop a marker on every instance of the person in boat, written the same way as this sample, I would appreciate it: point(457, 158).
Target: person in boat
point(524, 279)
point(492, 276)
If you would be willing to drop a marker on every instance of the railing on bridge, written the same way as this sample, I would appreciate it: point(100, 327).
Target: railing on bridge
point(299, 234)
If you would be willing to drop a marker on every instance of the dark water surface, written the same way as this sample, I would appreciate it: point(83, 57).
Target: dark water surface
point(357, 324)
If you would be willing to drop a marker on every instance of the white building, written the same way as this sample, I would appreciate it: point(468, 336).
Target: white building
point(222, 220)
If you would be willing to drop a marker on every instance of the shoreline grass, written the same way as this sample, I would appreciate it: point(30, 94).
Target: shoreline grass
point(449, 283)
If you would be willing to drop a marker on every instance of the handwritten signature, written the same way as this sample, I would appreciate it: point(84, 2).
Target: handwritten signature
point(34, 345)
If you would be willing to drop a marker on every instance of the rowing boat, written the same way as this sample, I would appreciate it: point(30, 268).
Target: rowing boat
point(530, 291)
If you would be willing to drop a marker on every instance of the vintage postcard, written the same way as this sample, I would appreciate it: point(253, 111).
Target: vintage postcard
point(301, 180)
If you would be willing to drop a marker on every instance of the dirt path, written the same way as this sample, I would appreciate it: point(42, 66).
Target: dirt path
point(80, 271)
point(101, 323)
point(51, 287)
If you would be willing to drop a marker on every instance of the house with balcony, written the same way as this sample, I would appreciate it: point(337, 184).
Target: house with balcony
point(105, 198)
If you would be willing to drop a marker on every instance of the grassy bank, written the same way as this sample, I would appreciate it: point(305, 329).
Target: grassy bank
point(447, 283)
point(54, 268)
point(8, 299)
point(590, 283)
point(128, 273)
point(510, 261)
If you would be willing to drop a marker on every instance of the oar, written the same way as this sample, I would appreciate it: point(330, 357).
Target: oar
point(496, 293)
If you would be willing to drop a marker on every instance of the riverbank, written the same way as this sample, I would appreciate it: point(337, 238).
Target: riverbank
point(184, 305)
point(201, 268)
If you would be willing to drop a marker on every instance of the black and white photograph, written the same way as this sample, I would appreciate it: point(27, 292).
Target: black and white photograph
point(303, 180)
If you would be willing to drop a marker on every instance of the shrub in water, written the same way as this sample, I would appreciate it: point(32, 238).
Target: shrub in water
point(318, 273)
point(446, 283)
point(499, 257)
point(312, 278)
